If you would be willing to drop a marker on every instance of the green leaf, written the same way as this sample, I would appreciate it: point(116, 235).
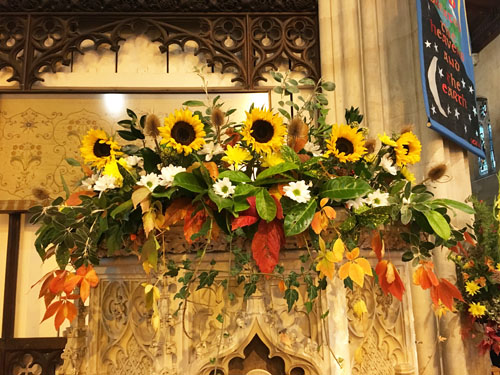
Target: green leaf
point(438, 224)
point(126, 135)
point(345, 187)
point(328, 86)
point(151, 160)
point(165, 194)
point(457, 205)
point(188, 181)
point(65, 186)
point(124, 207)
point(266, 207)
point(131, 114)
point(244, 190)
point(290, 155)
point(299, 218)
point(235, 176)
point(194, 103)
point(307, 81)
point(284, 112)
point(406, 215)
point(291, 296)
point(73, 162)
point(128, 179)
point(407, 256)
point(150, 251)
point(219, 201)
point(277, 169)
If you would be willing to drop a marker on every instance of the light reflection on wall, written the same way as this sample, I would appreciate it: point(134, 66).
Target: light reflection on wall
point(114, 104)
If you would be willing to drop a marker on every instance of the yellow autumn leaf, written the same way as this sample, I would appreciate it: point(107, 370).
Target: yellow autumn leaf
point(390, 276)
point(356, 268)
point(325, 266)
point(148, 221)
point(338, 250)
point(359, 308)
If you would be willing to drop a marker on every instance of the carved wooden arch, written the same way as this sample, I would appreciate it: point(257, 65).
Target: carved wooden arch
point(292, 363)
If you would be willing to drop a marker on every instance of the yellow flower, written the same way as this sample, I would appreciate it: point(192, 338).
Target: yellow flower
point(263, 131)
point(236, 155)
point(407, 149)
point(346, 143)
point(270, 160)
point(498, 266)
point(183, 132)
point(111, 169)
point(360, 308)
point(356, 268)
point(386, 140)
point(476, 309)
point(471, 287)
point(440, 310)
point(407, 174)
point(98, 149)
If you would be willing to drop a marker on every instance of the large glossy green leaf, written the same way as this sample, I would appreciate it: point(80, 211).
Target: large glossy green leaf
point(455, 204)
point(188, 181)
point(277, 169)
point(438, 224)
point(219, 201)
point(345, 187)
point(300, 217)
point(266, 207)
point(235, 176)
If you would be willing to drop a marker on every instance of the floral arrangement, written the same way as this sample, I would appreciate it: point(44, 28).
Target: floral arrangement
point(477, 258)
point(276, 176)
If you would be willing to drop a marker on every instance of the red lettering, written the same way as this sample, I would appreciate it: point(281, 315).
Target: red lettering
point(445, 88)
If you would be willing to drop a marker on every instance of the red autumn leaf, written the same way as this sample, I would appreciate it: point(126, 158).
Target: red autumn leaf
point(378, 245)
point(247, 217)
point(266, 245)
point(469, 239)
point(74, 199)
point(389, 279)
point(51, 310)
point(193, 223)
point(176, 211)
point(279, 209)
point(56, 285)
point(445, 292)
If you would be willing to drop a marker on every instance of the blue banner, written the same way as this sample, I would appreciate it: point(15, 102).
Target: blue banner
point(448, 72)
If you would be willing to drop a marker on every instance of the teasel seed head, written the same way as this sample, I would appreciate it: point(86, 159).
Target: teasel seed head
point(152, 126)
point(436, 172)
point(218, 117)
point(370, 145)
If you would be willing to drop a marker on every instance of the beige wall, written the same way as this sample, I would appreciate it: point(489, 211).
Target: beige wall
point(4, 229)
point(487, 75)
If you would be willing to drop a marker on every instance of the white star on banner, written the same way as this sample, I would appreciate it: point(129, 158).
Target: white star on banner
point(474, 110)
point(448, 110)
point(433, 109)
point(470, 118)
point(457, 114)
point(441, 73)
point(427, 44)
point(471, 90)
point(436, 47)
point(465, 128)
point(463, 83)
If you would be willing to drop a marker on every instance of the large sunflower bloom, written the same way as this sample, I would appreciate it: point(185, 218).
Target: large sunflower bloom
point(263, 131)
point(408, 149)
point(346, 143)
point(98, 149)
point(183, 132)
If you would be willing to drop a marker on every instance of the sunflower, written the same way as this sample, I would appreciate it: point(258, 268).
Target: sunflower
point(98, 149)
point(183, 132)
point(346, 143)
point(263, 131)
point(408, 149)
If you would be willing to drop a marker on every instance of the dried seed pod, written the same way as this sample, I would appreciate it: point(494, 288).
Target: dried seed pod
point(297, 134)
point(406, 129)
point(152, 126)
point(370, 145)
point(40, 193)
point(436, 172)
point(218, 117)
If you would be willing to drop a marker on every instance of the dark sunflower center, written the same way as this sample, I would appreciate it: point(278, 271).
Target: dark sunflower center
point(407, 149)
point(183, 133)
point(344, 145)
point(101, 150)
point(262, 131)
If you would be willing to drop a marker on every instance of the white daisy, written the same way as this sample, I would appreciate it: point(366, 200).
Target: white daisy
point(313, 148)
point(356, 203)
point(210, 149)
point(388, 165)
point(224, 188)
point(168, 174)
point(134, 160)
point(88, 183)
point(151, 181)
point(377, 199)
point(298, 191)
point(105, 182)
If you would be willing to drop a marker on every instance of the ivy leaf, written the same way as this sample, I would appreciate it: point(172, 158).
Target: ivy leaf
point(438, 224)
point(291, 296)
point(345, 187)
point(188, 181)
point(266, 207)
point(300, 217)
point(266, 245)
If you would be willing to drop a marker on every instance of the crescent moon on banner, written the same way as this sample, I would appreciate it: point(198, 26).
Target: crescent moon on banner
point(431, 77)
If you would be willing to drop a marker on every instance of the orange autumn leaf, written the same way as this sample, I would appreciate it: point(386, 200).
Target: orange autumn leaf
point(87, 171)
point(356, 268)
point(282, 286)
point(66, 310)
point(74, 199)
point(176, 211)
point(322, 218)
point(378, 245)
point(445, 292)
point(89, 280)
point(212, 169)
point(56, 285)
point(193, 222)
point(469, 239)
point(389, 279)
point(51, 310)
point(425, 276)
